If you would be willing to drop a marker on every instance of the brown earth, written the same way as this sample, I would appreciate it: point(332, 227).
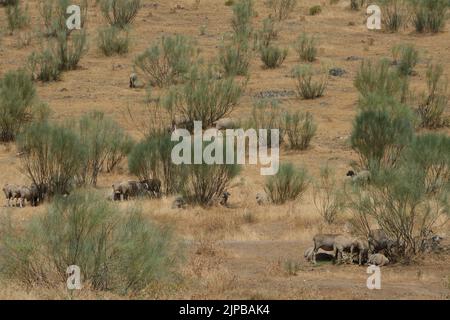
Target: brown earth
point(229, 254)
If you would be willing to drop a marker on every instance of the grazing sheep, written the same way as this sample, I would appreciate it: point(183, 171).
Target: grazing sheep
point(179, 203)
point(125, 190)
point(431, 244)
point(134, 81)
point(225, 123)
point(261, 199)
point(362, 176)
point(24, 194)
point(378, 241)
point(377, 259)
point(10, 191)
point(224, 198)
point(337, 243)
point(362, 247)
point(152, 186)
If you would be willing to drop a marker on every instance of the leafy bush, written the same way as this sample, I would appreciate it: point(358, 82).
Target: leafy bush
point(328, 196)
point(97, 134)
point(151, 158)
point(17, 18)
point(306, 47)
point(290, 183)
point(272, 56)
point(378, 78)
point(395, 14)
point(429, 15)
point(434, 102)
point(110, 41)
point(44, 66)
point(120, 13)
point(379, 138)
point(53, 156)
point(165, 62)
point(300, 129)
point(314, 10)
point(266, 114)
point(203, 98)
point(17, 102)
point(281, 8)
point(406, 58)
point(235, 58)
point(307, 87)
point(118, 251)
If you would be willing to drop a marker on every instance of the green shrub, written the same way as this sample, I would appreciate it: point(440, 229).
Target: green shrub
point(281, 8)
point(44, 66)
point(166, 61)
point(429, 15)
point(229, 3)
point(314, 10)
point(120, 147)
point(53, 156)
point(378, 78)
point(268, 33)
point(203, 97)
point(110, 41)
point(96, 133)
point(395, 14)
point(120, 13)
point(151, 158)
point(273, 57)
point(379, 138)
point(328, 197)
point(54, 15)
point(17, 101)
point(17, 18)
point(433, 104)
point(307, 87)
point(116, 251)
point(69, 48)
point(266, 114)
point(306, 47)
point(290, 183)
point(243, 12)
point(300, 128)
point(357, 4)
point(405, 57)
point(235, 58)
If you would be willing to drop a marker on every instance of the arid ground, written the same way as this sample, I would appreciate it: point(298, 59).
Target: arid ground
point(241, 252)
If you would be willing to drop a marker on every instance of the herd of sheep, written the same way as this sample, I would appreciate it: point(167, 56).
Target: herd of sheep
point(372, 250)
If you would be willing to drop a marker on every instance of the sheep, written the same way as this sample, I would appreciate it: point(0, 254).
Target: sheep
point(224, 198)
point(261, 199)
point(377, 259)
point(362, 176)
point(225, 123)
point(378, 241)
point(125, 190)
point(337, 243)
point(179, 203)
point(10, 191)
point(152, 186)
point(362, 246)
point(431, 244)
point(134, 81)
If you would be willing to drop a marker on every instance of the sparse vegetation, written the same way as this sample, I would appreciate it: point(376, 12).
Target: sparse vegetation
point(120, 13)
point(429, 15)
point(266, 114)
point(405, 58)
point(395, 14)
point(307, 87)
point(315, 10)
point(272, 56)
point(306, 48)
point(290, 183)
point(281, 8)
point(300, 128)
point(17, 17)
point(111, 41)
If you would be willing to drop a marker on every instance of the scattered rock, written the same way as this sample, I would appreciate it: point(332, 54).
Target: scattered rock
point(337, 72)
point(274, 94)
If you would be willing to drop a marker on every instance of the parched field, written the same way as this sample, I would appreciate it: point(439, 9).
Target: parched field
point(244, 251)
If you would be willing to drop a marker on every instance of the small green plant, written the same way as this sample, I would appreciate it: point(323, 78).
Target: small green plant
point(306, 48)
point(235, 58)
point(357, 4)
point(229, 3)
point(281, 8)
point(120, 13)
point(429, 15)
point(69, 48)
point(307, 87)
point(327, 195)
point(315, 10)
point(272, 56)
point(405, 57)
point(290, 183)
point(268, 33)
point(266, 114)
point(44, 66)
point(300, 128)
point(433, 104)
point(166, 61)
point(17, 102)
point(291, 268)
point(17, 18)
point(395, 14)
point(111, 41)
